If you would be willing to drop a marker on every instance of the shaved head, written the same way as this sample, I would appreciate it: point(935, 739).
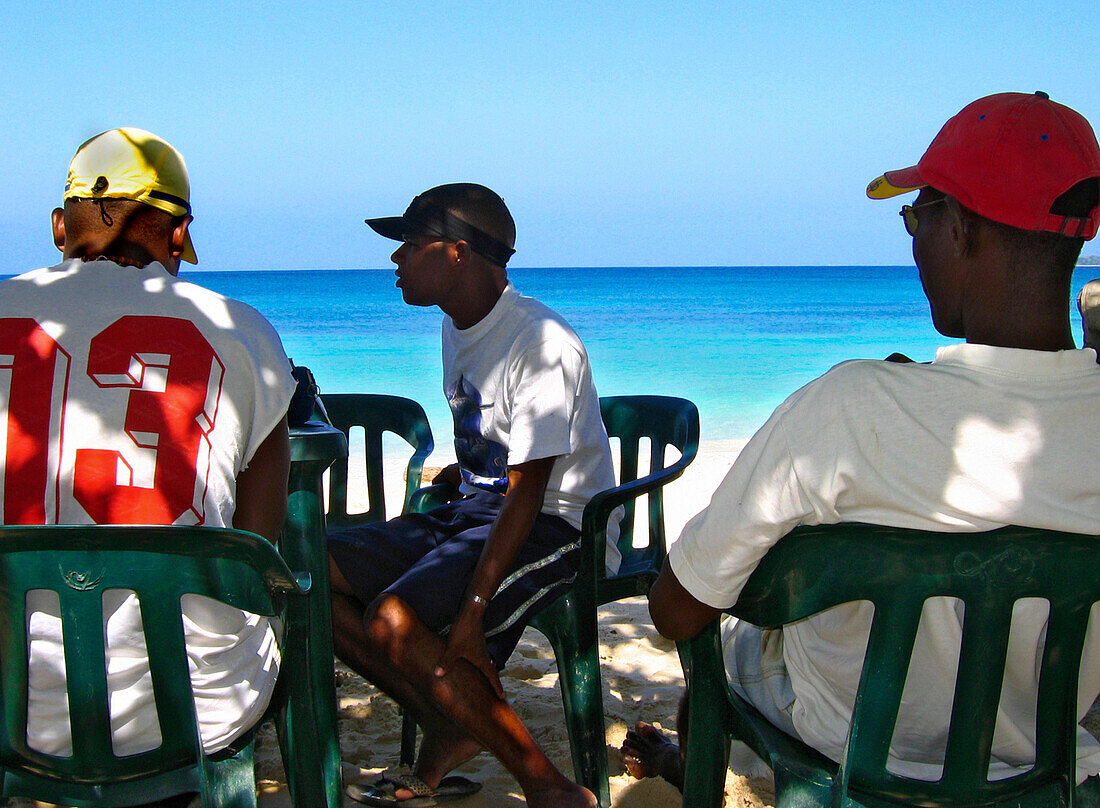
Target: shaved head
point(131, 233)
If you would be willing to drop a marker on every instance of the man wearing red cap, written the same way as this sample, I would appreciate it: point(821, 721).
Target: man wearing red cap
point(998, 430)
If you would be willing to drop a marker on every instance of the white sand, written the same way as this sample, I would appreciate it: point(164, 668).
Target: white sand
point(641, 677)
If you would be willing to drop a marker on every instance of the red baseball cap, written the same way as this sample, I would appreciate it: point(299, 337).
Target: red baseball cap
point(1007, 157)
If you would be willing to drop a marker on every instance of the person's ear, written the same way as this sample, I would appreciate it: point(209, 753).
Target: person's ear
point(462, 252)
point(961, 227)
point(57, 221)
point(179, 236)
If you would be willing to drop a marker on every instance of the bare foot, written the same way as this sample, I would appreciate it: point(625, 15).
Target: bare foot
point(647, 752)
point(439, 755)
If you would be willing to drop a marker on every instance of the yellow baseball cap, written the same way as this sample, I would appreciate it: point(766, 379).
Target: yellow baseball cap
point(130, 163)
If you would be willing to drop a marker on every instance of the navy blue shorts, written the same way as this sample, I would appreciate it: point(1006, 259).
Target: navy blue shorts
point(427, 559)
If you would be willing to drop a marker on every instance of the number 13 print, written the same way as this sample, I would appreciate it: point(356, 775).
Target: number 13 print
point(174, 378)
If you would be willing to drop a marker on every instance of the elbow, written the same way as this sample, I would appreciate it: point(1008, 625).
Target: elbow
point(665, 628)
point(677, 614)
point(668, 617)
point(670, 626)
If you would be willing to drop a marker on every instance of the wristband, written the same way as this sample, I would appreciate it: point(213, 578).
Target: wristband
point(480, 601)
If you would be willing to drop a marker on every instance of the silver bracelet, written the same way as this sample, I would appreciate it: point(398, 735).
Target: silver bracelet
point(478, 600)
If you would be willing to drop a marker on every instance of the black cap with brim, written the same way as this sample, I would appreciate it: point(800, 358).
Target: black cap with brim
point(425, 217)
point(394, 227)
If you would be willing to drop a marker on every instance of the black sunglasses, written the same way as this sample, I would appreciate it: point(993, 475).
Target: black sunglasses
point(909, 215)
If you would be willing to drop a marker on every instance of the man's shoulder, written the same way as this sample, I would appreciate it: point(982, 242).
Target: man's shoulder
point(859, 391)
point(229, 319)
point(541, 322)
point(195, 291)
point(58, 283)
point(104, 289)
point(38, 275)
point(849, 377)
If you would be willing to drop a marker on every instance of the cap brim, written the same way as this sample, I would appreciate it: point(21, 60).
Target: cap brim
point(897, 182)
point(188, 253)
point(394, 227)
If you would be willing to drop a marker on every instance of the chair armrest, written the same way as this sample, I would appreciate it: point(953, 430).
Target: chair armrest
point(304, 582)
point(416, 461)
point(600, 507)
point(702, 662)
point(706, 746)
point(414, 470)
point(431, 496)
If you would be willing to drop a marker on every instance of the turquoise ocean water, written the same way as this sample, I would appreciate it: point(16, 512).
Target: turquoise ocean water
point(736, 340)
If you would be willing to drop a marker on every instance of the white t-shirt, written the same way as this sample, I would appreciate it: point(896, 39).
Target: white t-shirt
point(981, 438)
point(520, 388)
point(99, 365)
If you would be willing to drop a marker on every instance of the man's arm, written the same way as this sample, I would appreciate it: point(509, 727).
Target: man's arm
point(526, 490)
point(261, 488)
point(676, 613)
point(448, 475)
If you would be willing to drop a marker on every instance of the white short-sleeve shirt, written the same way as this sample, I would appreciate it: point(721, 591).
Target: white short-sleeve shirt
point(130, 396)
point(520, 388)
point(981, 438)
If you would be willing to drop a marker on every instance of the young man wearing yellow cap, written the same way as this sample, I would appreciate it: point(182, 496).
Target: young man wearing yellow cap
point(997, 430)
point(132, 397)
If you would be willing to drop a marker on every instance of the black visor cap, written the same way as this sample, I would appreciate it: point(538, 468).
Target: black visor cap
point(426, 218)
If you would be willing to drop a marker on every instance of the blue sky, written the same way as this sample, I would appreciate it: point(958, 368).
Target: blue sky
point(640, 133)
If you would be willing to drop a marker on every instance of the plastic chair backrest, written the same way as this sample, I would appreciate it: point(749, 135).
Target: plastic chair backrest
point(663, 421)
point(160, 564)
point(815, 568)
point(570, 622)
point(375, 414)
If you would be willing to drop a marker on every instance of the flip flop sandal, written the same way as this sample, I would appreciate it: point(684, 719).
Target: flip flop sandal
point(382, 791)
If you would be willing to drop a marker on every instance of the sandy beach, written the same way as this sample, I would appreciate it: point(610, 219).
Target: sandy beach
point(641, 674)
point(641, 678)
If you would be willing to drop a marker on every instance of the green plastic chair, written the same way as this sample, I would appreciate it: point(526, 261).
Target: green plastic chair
point(314, 446)
point(160, 564)
point(375, 414)
point(570, 622)
point(815, 568)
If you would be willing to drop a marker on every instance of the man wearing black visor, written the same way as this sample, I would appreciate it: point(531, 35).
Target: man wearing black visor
point(430, 606)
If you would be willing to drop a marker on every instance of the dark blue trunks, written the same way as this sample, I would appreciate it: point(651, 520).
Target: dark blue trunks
point(427, 560)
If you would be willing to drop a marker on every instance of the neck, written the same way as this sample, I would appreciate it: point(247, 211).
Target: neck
point(1014, 308)
point(478, 300)
point(121, 260)
point(1042, 339)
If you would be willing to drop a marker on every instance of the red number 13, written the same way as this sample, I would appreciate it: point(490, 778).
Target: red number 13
point(174, 377)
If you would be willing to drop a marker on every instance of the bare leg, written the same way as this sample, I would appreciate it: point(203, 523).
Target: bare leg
point(399, 654)
point(446, 745)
